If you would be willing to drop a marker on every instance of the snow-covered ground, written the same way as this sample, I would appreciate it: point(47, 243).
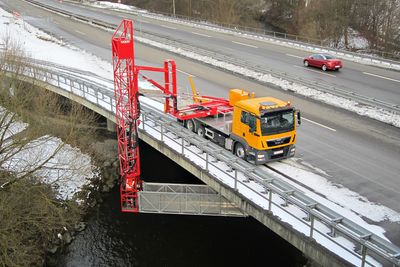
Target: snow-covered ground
point(37, 44)
point(355, 41)
point(68, 169)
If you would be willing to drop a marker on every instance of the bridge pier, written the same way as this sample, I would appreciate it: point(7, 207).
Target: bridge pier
point(111, 126)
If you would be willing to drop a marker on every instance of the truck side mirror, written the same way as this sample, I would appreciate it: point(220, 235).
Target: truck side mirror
point(298, 117)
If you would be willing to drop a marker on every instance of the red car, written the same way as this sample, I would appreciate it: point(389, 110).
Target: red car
point(325, 62)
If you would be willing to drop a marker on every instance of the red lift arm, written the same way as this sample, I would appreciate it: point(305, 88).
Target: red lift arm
point(126, 91)
point(126, 115)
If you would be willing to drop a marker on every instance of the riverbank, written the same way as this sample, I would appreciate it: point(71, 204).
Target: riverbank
point(52, 172)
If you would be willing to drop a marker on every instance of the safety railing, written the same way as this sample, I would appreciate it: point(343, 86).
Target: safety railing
point(254, 184)
point(185, 199)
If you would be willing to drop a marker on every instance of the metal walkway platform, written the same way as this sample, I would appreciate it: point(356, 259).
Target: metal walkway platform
point(185, 199)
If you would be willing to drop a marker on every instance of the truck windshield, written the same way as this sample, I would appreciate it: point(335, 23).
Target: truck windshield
point(277, 122)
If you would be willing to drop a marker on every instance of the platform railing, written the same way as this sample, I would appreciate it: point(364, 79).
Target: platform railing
point(185, 199)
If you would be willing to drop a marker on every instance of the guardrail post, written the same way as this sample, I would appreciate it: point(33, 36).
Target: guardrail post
point(334, 223)
point(363, 254)
point(206, 161)
point(236, 189)
point(144, 120)
point(183, 145)
point(270, 200)
point(162, 133)
point(82, 88)
point(311, 225)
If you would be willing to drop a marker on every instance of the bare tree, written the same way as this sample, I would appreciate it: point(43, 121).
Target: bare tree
point(32, 213)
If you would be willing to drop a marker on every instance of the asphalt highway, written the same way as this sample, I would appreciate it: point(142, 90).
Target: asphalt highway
point(365, 80)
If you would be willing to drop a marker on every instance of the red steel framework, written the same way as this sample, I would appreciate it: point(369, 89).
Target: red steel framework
point(126, 91)
point(126, 115)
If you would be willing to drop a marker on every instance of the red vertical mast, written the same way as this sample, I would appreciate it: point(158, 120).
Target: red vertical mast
point(127, 113)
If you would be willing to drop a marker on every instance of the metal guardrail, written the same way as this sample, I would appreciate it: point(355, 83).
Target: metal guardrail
point(241, 174)
point(259, 71)
point(185, 199)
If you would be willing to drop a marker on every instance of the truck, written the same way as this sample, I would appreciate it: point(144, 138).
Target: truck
point(258, 130)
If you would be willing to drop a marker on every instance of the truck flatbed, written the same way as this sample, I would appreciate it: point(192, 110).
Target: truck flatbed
point(222, 122)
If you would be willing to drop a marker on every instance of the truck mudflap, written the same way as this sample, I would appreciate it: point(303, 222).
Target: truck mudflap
point(259, 157)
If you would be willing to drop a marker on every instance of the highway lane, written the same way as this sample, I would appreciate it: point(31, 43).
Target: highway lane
point(365, 80)
point(361, 154)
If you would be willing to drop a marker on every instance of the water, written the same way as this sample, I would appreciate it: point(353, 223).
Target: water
point(113, 238)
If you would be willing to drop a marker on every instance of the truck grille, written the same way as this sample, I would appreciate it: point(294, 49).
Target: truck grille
point(277, 142)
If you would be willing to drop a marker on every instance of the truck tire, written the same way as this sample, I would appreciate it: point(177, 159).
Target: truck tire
point(190, 125)
point(240, 152)
point(201, 131)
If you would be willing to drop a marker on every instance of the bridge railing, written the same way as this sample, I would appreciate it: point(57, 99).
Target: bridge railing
point(255, 184)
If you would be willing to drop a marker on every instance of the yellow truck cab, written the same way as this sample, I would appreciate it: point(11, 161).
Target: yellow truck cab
point(258, 130)
point(263, 129)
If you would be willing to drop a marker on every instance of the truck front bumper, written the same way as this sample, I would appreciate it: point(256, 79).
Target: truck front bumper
point(263, 156)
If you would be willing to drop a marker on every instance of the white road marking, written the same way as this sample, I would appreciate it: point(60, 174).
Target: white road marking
point(80, 32)
point(320, 72)
point(383, 77)
point(204, 35)
point(319, 124)
point(181, 71)
point(168, 27)
point(253, 46)
point(290, 55)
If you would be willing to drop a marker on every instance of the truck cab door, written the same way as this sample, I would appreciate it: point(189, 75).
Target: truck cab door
point(250, 129)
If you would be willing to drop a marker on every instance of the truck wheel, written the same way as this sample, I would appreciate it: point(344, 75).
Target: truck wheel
point(239, 151)
point(201, 131)
point(190, 125)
